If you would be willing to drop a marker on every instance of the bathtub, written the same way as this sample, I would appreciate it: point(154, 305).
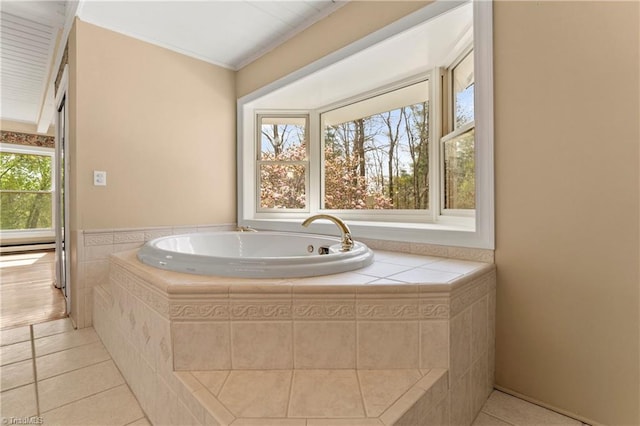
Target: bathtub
point(254, 254)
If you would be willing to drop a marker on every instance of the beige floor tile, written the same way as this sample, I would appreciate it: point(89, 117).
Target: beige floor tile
point(52, 327)
point(115, 406)
point(78, 384)
point(485, 419)
point(18, 402)
point(14, 335)
point(325, 393)
point(257, 393)
point(67, 340)
point(212, 380)
point(16, 374)
point(522, 413)
point(15, 353)
point(382, 387)
point(70, 359)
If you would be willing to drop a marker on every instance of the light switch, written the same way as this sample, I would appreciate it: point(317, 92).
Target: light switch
point(99, 178)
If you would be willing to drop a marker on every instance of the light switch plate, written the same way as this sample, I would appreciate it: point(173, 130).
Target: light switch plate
point(99, 178)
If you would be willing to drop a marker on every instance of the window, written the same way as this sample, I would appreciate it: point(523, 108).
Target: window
point(458, 146)
point(393, 133)
point(283, 162)
point(376, 152)
point(26, 188)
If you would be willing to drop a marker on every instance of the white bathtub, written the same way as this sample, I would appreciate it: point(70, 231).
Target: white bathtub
point(254, 254)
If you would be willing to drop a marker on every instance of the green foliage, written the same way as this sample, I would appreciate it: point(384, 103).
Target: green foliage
point(25, 185)
point(459, 172)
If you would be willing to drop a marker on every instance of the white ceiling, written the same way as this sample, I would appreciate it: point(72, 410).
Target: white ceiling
point(228, 33)
point(28, 33)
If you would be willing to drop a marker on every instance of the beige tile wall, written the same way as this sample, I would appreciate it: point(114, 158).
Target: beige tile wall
point(93, 248)
point(152, 333)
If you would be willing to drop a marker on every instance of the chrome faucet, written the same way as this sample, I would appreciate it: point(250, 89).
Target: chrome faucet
point(347, 241)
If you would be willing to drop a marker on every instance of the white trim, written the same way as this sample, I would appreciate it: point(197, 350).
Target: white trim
point(27, 149)
point(483, 112)
point(452, 231)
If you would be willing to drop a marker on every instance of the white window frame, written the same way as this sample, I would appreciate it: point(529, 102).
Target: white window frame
point(11, 234)
point(475, 232)
point(307, 163)
point(451, 133)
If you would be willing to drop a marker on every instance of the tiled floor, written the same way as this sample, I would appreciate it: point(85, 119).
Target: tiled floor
point(78, 384)
point(505, 410)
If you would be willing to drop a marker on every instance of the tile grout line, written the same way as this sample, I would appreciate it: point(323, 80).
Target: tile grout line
point(89, 396)
point(364, 406)
point(80, 368)
point(35, 370)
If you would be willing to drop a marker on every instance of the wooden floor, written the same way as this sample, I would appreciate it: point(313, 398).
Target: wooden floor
point(27, 294)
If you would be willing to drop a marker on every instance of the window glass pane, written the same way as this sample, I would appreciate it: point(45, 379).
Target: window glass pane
point(25, 210)
point(25, 172)
point(283, 138)
point(22, 178)
point(459, 172)
point(463, 84)
point(282, 186)
point(376, 152)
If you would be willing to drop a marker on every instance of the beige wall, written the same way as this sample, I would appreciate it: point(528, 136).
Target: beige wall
point(567, 191)
point(348, 24)
point(567, 138)
point(163, 127)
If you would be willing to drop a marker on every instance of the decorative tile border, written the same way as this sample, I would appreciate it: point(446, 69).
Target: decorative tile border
point(19, 138)
point(434, 309)
point(403, 309)
point(323, 310)
point(200, 311)
point(261, 310)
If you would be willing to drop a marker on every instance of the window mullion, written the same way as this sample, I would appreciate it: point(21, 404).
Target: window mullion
point(438, 112)
point(314, 192)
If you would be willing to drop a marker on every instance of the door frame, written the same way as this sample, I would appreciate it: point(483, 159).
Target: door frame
point(63, 240)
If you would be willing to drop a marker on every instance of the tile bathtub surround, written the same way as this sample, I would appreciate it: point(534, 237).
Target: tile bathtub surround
point(77, 382)
point(95, 246)
point(142, 314)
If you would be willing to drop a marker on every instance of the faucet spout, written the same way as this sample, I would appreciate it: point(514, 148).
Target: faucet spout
point(347, 241)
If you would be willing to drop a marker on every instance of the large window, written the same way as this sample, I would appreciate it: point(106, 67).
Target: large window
point(26, 188)
point(376, 152)
point(393, 133)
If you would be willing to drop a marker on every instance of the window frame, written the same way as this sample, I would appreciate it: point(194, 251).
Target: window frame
point(37, 151)
point(451, 132)
point(259, 162)
point(474, 232)
point(382, 215)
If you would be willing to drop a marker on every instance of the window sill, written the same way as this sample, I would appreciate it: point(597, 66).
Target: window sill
point(28, 236)
point(462, 234)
